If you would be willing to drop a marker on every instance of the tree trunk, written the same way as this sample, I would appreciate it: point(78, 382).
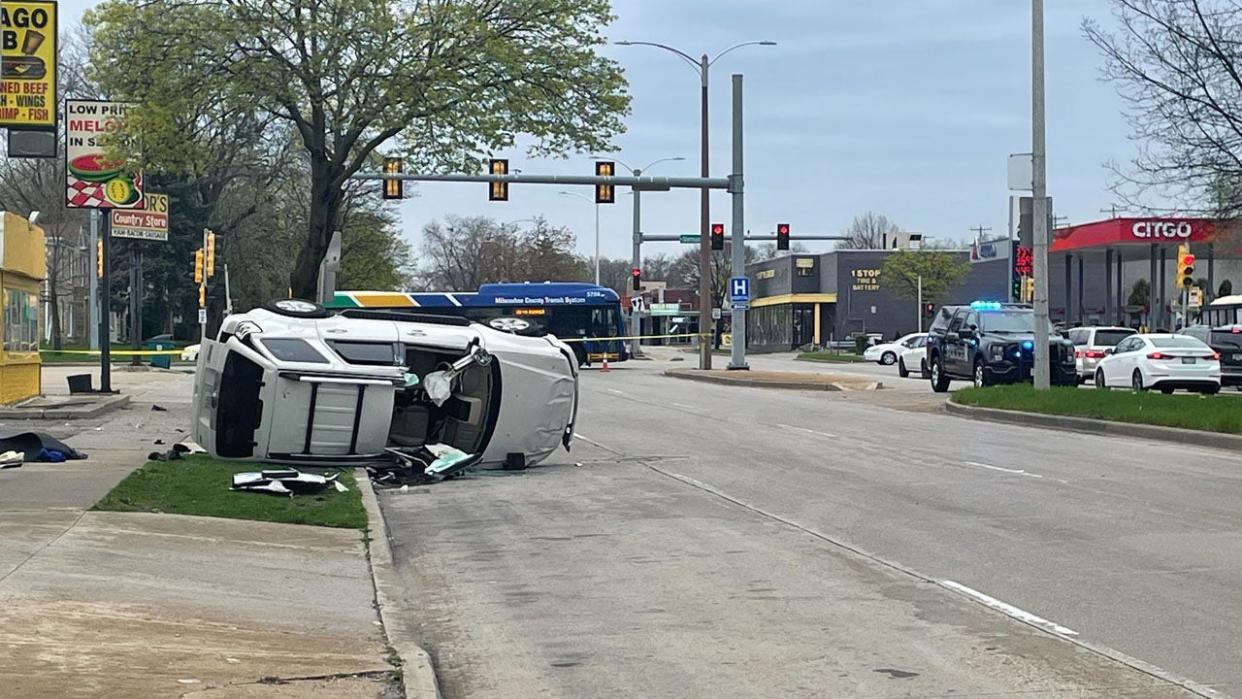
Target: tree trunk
point(325, 214)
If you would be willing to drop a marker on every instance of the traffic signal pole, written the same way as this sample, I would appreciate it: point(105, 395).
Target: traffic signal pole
point(636, 321)
point(105, 306)
point(738, 358)
point(1039, 205)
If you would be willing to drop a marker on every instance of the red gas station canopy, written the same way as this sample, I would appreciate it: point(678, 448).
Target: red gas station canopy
point(1134, 231)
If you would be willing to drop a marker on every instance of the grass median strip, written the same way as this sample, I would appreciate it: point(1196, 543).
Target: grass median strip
point(830, 357)
point(1194, 412)
point(199, 485)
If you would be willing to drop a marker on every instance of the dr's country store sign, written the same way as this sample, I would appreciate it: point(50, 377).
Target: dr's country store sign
point(28, 65)
point(92, 180)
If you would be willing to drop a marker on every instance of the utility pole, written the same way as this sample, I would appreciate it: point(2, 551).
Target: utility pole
point(93, 298)
point(636, 320)
point(202, 292)
point(737, 359)
point(1039, 205)
point(920, 303)
point(980, 230)
point(104, 303)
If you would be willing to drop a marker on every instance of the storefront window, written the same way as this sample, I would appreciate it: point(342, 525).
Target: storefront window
point(21, 321)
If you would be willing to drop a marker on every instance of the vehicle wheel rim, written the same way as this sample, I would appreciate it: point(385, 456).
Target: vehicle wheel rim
point(979, 375)
point(1099, 380)
point(935, 373)
point(887, 358)
point(1137, 381)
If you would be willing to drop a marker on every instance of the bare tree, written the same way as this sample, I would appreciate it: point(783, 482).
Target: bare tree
point(868, 232)
point(1178, 66)
point(463, 253)
point(655, 268)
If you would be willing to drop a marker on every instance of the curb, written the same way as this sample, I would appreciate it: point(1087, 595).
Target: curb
point(1093, 426)
point(65, 413)
point(754, 383)
point(418, 675)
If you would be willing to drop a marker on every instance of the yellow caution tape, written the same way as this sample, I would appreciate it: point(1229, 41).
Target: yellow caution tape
point(628, 337)
point(115, 352)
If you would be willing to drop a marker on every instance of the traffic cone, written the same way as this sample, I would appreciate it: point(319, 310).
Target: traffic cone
point(604, 368)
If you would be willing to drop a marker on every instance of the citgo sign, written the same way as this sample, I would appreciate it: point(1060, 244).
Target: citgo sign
point(1161, 229)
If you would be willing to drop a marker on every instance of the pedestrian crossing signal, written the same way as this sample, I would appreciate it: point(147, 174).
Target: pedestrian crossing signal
point(498, 191)
point(717, 236)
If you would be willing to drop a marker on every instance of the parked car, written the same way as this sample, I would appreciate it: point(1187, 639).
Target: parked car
point(1091, 344)
point(292, 383)
point(989, 342)
point(1161, 361)
point(886, 353)
point(913, 354)
point(1226, 340)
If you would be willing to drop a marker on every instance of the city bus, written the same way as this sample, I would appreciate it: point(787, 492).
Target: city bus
point(584, 315)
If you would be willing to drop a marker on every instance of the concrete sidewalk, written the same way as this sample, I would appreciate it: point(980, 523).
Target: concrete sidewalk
point(130, 604)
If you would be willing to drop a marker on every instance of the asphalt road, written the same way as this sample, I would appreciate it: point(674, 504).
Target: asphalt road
point(1118, 543)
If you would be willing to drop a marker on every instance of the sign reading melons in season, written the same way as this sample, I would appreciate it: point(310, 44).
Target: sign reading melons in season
point(150, 223)
point(93, 180)
point(28, 64)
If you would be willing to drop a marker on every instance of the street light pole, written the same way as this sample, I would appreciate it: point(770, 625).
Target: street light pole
point(1039, 208)
point(703, 64)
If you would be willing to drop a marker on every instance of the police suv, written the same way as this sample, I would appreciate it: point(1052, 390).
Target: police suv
point(989, 342)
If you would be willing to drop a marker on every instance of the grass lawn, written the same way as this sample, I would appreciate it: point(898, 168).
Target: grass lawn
point(830, 357)
point(1210, 413)
point(199, 485)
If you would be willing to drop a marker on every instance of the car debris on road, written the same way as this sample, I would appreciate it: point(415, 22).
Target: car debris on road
point(286, 481)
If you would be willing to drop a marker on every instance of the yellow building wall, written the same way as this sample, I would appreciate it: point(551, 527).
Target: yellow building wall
point(23, 265)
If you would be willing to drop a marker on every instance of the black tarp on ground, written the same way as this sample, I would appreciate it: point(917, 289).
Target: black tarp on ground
point(31, 444)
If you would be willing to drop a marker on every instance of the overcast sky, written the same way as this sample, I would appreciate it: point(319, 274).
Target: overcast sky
point(905, 107)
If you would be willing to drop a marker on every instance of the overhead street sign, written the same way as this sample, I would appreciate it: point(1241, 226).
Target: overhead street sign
point(28, 64)
point(691, 239)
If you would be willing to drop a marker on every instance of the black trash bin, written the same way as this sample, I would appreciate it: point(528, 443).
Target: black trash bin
point(80, 383)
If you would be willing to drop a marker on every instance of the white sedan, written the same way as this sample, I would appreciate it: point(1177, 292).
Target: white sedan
point(291, 383)
point(913, 357)
point(1161, 361)
point(888, 353)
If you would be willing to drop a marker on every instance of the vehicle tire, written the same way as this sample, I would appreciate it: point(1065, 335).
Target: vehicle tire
point(901, 368)
point(923, 372)
point(939, 382)
point(581, 356)
point(888, 359)
point(1100, 382)
point(1167, 391)
point(296, 308)
point(980, 375)
point(1136, 381)
point(1210, 390)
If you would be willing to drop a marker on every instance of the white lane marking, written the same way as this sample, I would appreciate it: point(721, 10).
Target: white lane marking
point(683, 405)
point(1014, 471)
point(615, 392)
point(817, 433)
point(1009, 609)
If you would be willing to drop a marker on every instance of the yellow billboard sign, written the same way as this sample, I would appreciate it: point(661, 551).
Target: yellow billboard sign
point(28, 64)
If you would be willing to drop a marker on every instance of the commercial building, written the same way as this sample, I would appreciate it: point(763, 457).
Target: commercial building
point(817, 299)
point(1098, 273)
point(22, 269)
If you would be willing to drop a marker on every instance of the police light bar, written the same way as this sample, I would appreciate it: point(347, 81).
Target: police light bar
point(985, 306)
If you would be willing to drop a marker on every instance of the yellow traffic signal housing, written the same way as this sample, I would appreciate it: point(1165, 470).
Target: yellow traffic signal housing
point(99, 259)
point(211, 254)
point(393, 189)
point(605, 193)
point(202, 297)
point(198, 266)
point(1028, 290)
point(1185, 267)
point(498, 191)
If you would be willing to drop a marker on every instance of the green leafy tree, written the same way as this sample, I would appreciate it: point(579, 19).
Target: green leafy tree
point(1140, 293)
point(1226, 289)
point(374, 256)
point(941, 272)
point(439, 82)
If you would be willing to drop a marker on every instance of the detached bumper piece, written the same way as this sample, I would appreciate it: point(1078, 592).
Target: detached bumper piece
point(285, 481)
point(420, 466)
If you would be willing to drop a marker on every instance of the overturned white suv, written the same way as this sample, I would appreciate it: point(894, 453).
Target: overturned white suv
point(292, 383)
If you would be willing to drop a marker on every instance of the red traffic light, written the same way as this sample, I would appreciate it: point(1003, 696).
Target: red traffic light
point(1188, 260)
point(635, 272)
point(717, 229)
point(782, 229)
point(782, 236)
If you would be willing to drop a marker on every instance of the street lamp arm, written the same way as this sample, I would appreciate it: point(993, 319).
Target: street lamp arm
point(738, 46)
point(661, 160)
point(689, 59)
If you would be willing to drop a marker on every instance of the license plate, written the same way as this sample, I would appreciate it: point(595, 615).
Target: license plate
point(1188, 360)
